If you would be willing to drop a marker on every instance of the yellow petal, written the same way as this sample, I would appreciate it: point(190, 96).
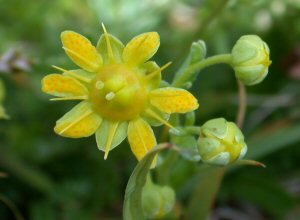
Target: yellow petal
point(140, 137)
point(141, 48)
point(81, 51)
point(63, 86)
point(80, 121)
point(173, 100)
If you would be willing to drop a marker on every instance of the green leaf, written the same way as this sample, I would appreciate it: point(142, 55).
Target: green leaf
point(184, 78)
point(153, 121)
point(205, 193)
point(133, 195)
point(266, 193)
point(266, 144)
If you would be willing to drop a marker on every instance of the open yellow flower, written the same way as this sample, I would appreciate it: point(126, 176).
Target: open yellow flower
point(119, 91)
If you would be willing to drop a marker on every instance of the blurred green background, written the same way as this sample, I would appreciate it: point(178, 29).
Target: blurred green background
point(50, 177)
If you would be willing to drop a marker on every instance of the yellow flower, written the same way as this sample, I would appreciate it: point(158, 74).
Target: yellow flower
point(119, 92)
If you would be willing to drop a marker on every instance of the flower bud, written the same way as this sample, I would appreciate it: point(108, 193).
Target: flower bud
point(157, 200)
point(250, 59)
point(221, 142)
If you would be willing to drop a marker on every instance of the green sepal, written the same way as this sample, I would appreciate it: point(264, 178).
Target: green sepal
point(216, 127)
point(150, 67)
point(251, 75)
point(196, 54)
point(163, 84)
point(208, 146)
point(102, 134)
point(153, 121)
point(116, 45)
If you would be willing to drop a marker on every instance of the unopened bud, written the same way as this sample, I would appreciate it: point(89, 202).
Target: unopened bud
point(250, 59)
point(221, 142)
point(157, 201)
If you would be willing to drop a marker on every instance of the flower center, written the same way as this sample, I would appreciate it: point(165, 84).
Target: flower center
point(118, 93)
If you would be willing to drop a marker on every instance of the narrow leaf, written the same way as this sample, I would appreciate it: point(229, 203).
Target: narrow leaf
point(205, 193)
point(133, 195)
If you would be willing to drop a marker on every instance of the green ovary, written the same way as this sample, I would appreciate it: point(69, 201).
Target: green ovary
point(118, 93)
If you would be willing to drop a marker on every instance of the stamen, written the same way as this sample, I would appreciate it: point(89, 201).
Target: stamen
point(110, 96)
point(80, 57)
point(87, 113)
point(82, 78)
point(157, 117)
point(99, 84)
point(109, 48)
point(154, 73)
point(83, 97)
point(112, 131)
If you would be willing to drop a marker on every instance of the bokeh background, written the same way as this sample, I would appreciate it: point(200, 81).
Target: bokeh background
point(48, 177)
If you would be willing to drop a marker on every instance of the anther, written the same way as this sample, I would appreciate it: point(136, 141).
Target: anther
point(110, 96)
point(99, 84)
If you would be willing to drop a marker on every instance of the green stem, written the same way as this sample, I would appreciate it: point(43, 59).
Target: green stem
point(181, 80)
point(195, 130)
point(12, 207)
point(242, 104)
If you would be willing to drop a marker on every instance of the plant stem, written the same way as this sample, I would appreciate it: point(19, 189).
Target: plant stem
point(195, 130)
point(12, 207)
point(181, 80)
point(242, 104)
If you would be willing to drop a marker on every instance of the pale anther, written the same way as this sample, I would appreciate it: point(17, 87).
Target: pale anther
point(110, 96)
point(99, 84)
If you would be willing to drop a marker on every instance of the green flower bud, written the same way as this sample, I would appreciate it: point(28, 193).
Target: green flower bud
point(250, 59)
point(221, 142)
point(157, 201)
